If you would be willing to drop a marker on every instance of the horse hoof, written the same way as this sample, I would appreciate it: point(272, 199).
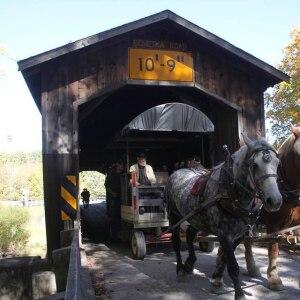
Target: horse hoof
point(188, 268)
point(217, 283)
point(189, 265)
point(275, 284)
point(181, 276)
point(216, 289)
point(180, 270)
point(239, 297)
point(254, 272)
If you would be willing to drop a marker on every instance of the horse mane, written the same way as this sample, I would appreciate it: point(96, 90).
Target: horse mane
point(286, 146)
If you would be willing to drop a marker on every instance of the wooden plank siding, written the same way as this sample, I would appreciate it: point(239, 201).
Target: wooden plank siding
point(98, 69)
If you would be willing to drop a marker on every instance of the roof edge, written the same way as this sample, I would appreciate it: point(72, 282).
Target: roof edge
point(152, 19)
point(92, 39)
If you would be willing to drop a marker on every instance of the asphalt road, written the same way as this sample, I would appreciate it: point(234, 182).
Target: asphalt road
point(155, 277)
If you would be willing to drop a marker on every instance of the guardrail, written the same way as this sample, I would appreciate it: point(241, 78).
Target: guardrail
point(79, 285)
point(73, 288)
point(30, 203)
point(20, 203)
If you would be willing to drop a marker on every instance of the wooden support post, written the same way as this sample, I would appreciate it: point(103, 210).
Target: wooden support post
point(60, 150)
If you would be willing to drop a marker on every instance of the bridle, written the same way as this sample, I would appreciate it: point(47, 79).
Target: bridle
point(234, 207)
point(251, 165)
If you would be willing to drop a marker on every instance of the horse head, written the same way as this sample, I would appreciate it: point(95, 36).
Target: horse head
point(262, 163)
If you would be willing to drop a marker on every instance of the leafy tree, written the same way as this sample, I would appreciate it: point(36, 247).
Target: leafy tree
point(94, 182)
point(284, 101)
point(13, 232)
point(18, 171)
point(24, 170)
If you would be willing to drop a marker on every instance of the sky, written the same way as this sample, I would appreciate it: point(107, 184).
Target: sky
point(260, 27)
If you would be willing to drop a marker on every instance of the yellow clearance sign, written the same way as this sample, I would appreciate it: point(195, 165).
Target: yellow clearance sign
point(168, 65)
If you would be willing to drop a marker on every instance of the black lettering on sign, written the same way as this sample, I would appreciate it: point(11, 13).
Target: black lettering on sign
point(149, 63)
point(171, 64)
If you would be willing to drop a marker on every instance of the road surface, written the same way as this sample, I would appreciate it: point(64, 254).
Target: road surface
point(117, 276)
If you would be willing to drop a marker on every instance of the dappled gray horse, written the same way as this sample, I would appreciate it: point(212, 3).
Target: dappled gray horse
point(289, 213)
point(232, 204)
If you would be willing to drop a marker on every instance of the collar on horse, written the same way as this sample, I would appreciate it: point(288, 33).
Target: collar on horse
point(231, 202)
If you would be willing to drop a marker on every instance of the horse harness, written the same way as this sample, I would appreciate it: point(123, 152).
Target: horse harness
point(230, 199)
point(227, 191)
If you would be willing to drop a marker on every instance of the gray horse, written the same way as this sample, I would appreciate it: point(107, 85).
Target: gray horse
point(237, 185)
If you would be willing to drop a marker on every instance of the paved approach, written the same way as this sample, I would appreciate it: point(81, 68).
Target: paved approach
point(117, 276)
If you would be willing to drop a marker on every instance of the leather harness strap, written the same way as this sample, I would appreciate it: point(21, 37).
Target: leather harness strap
point(227, 193)
point(230, 203)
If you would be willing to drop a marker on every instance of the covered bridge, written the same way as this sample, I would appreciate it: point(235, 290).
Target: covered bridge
point(88, 90)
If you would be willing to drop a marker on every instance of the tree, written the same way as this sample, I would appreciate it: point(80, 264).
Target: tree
point(284, 101)
point(94, 182)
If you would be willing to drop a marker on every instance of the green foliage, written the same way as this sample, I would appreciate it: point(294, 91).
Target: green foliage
point(13, 232)
point(94, 182)
point(284, 100)
point(20, 171)
point(24, 170)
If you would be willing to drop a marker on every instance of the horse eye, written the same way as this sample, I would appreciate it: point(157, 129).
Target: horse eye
point(254, 165)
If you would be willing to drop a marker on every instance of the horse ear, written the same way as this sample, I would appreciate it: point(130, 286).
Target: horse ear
point(247, 141)
point(295, 130)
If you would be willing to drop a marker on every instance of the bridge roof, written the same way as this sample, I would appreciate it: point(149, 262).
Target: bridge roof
point(269, 71)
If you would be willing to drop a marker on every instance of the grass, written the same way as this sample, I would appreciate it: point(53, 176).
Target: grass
point(37, 240)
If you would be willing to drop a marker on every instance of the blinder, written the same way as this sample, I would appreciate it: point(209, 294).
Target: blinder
point(267, 158)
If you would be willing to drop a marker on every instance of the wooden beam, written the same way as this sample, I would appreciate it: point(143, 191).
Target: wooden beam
point(196, 86)
point(159, 83)
point(217, 97)
point(60, 149)
point(96, 99)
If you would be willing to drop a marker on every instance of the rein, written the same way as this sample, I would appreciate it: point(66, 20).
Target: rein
point(238, 210)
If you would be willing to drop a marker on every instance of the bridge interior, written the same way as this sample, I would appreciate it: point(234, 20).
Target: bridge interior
point(101, 144)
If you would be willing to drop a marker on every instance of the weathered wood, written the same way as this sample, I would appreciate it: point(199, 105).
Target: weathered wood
point(59, 158)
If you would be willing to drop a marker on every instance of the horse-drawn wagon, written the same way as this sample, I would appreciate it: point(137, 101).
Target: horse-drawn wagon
point(168, 133)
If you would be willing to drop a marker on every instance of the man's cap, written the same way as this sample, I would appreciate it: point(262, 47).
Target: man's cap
point(194, 157)
point(141, 155)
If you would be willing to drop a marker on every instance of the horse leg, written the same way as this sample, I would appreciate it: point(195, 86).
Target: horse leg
point(176, 246)
point(190, 261)
point(253, 270)
point(232, 266)
point(274, 281)
point(173, 219)
point(217, 277)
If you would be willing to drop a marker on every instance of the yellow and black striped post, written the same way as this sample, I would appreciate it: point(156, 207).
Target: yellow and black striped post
point(68, 195)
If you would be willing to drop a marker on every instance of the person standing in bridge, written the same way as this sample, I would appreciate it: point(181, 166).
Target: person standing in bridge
point(144, 172)
point(85, 195)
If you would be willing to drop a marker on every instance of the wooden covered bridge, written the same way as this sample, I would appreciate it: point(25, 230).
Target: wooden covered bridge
point(88, 90)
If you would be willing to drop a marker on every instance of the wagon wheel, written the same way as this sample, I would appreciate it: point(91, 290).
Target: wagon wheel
point(138, 245)
point(206, 246)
